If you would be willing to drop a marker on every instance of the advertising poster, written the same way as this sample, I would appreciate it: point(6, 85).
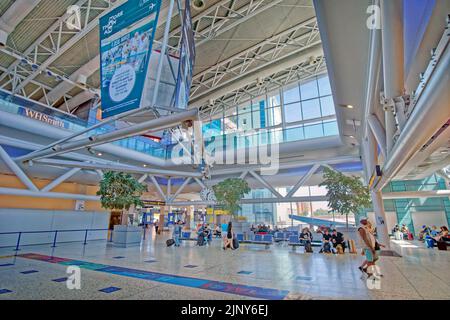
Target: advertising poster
point(126, 37)
point(187, 60)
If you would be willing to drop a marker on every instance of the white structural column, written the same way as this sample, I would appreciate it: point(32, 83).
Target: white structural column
point(169, 188)
point(377, 198)
point(60, 180)
point(393, 59)
point(380, 216)
point(17, 170)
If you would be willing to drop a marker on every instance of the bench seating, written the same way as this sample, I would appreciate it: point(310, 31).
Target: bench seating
point(187, 236)
point(295, 242)
point(284, 236)
point(266, 239)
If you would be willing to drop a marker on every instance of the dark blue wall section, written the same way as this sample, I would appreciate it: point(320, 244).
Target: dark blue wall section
point(15, 152)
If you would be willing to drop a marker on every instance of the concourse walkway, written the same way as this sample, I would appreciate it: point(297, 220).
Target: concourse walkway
point(154, 271)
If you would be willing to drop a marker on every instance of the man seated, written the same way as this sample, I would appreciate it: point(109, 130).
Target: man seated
point(218, 232)
point(207, 232)
point(424, 232)
point(337, 238)
point(326, 242)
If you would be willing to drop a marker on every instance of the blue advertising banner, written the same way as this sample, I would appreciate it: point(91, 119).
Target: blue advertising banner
point(126, 38)
point(187, 60)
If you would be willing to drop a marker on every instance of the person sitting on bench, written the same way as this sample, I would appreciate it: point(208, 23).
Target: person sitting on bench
point(306, 239)
point(218, 232)
point(337, 238)
point(326, 242)
point(443, 235)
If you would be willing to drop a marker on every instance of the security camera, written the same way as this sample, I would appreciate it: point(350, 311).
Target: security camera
point(210, 102)
point(312, 61)
point(260, 81)
point(82, 80)
point(198, 4)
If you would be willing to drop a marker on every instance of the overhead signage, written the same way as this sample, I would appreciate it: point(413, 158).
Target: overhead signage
point(187, 60)
point(126, 38)
point(36, 115)
point(148, 203)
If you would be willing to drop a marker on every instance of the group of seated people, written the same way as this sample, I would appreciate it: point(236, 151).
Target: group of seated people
point(433, 234)
point(402, 233)
point(332, 240)
point(263, 229)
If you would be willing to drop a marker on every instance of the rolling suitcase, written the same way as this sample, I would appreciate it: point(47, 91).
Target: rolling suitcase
point(442, 245)
point(235, 243)
point(308, 247)
point(170, 242)
point(201, 240)
point(352, 247)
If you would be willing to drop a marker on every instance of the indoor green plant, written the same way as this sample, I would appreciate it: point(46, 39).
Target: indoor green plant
point(229, 192)
point(346, 194)
point(119, 191)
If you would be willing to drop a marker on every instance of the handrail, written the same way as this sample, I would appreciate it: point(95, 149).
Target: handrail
point(56, 235)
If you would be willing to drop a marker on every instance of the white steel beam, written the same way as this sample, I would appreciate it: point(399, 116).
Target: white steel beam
point(200, 182)
point(17, 170)
point(50, 195)
point(180, 189)
point(160, 123)
point(61, 89)
point(16, 13)
point(158, 188)
point(265, 184)
point(61, 49)
point(60, 180)
point(143, 178)
point(33, 51)
point(303, 180)
point(301, 36)
point(303, 71)
point(111, 166)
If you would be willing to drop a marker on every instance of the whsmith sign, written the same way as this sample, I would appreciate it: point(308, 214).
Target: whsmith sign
point(36, 115)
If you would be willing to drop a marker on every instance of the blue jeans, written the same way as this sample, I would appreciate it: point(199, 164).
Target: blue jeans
point(176, 238)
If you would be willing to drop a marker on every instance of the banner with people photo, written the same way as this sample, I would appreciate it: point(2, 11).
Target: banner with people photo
point(126, 38)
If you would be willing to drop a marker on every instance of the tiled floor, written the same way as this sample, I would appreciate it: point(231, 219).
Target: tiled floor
point(248, 273)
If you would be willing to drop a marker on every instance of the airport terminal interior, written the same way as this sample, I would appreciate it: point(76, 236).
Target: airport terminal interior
point(224, 149)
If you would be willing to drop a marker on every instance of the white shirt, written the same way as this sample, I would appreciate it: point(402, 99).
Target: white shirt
point(369, 236)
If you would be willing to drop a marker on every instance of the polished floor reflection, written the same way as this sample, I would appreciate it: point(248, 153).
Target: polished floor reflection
point(154, 271)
